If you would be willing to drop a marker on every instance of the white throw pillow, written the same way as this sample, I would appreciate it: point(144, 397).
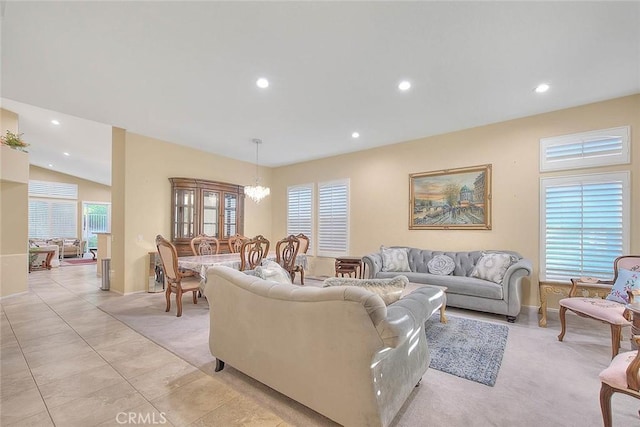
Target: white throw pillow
point(492, 266)
point(442, 265)
point(390, 290)
point(271, 270)
point(394, 259)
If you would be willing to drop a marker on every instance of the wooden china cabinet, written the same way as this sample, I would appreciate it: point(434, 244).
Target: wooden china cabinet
point(206, 207)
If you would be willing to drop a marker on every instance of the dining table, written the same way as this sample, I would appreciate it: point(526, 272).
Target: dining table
point(201, 263)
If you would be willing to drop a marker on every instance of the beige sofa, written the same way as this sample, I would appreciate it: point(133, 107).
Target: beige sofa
point(338, 350)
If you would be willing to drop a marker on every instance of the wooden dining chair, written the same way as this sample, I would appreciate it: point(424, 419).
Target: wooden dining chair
point(235, 243)
point(286, 253)
point(304, 247)
point(607, 311)
point(252, 252)
point(177, 282)
point(205, 245)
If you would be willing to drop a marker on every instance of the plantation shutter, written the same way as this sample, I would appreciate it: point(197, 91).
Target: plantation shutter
point(585, 225)
point(333, 218)
point(299, 212)
point(53, 210)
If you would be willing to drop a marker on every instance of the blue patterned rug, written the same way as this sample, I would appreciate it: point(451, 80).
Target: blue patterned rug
point(467, 348)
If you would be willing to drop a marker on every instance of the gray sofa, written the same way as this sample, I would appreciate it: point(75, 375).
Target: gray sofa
point(338, 350)
point(463, 290)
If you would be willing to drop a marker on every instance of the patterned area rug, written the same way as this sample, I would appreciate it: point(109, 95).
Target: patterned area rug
point(467, 348)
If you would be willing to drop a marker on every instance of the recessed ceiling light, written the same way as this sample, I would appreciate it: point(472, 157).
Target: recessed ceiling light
point(404, 85)
point(262, 83)
point(355, 135)
point(542, 88)
point(55, 122)
point(50, 165)
point(66, 154)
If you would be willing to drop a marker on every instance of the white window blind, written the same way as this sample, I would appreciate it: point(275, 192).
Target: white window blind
point(585, 225)
point(53, 210)
point(300, 212)
point(586, 149)
point(49, 218)
point(333, 218)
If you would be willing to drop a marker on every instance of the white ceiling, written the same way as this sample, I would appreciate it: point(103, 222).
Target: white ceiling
point(185, 72)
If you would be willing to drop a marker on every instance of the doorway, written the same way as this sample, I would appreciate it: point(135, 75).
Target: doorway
point(96, 218)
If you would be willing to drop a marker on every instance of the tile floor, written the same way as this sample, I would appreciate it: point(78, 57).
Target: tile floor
point(64, 362)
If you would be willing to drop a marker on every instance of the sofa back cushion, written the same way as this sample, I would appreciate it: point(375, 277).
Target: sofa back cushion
point(465, 262)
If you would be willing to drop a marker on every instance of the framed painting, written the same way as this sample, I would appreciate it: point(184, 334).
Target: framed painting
point(451, 199)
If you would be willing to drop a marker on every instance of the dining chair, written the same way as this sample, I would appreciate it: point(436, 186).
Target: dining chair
point(252, 252)
point(614, 313)
point(235, 243)
point(622, 376)
point(304, 247)
point(205, 245)
point(177, 282)
point(286, 253)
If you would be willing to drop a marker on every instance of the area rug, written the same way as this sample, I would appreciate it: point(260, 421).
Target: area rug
point(77, 261)
point(467, 348)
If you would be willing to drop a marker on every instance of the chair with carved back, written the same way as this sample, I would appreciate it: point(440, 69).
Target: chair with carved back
point(286, 253)
point(613, 310)
point(205, 245)
point(177, 282)
point(252, 252)
point(235, 243)
point(304, 247)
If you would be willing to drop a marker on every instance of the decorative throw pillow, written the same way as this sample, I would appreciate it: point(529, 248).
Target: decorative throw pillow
point(394, 259)
point(389, 290)
point(626, 280)
point(271, 270)
point(492, 266)
point(442, 265)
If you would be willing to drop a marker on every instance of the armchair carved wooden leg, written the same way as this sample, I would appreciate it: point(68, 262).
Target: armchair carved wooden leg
point(168, 295)
point(563, 322)
point(179, 300)
point(606, 391)
point(219, 365)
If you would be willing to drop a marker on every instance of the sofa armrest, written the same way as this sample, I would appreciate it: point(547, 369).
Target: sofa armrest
point(406, 317)
point(511, 283)
point(373, 264)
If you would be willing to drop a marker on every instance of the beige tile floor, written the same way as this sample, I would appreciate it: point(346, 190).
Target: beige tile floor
point(64, 362)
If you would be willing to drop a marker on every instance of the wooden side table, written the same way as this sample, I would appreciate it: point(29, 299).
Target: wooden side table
point(46, 264)
point(350, 265)
point(587, 290)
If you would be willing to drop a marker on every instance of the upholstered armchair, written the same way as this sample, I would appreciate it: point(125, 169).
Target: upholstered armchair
point(622, 376)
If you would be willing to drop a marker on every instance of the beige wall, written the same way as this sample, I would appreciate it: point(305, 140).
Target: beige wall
point(379, 183)
point(142, 167)
point(88, 191)
point(14, 176)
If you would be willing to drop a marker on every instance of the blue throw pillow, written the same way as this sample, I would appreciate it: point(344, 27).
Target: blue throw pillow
point(626, 280)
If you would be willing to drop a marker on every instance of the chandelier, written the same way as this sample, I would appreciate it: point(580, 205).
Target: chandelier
point(257, 192)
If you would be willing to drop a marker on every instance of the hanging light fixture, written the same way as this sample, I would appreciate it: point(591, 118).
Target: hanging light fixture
point(257, 192)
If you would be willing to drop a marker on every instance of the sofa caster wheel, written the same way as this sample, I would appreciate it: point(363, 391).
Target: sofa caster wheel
point(219, 365)
point(418, 383)
point(511, 319)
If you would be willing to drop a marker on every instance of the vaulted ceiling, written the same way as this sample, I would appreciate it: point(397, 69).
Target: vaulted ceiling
point(186, 72)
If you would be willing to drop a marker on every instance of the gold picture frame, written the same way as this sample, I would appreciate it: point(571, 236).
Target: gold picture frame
point(451, 199)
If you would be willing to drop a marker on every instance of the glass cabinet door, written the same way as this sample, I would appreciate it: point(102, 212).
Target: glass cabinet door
point(230, 214)
point(184, 203)
point(210, 212)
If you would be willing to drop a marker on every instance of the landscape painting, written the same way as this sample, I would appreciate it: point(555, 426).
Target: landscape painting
point(451, 199)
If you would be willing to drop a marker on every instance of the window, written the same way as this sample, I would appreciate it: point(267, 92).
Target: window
point(584, 225)
point(53, 210)
point(300, 212)
point(333, 218)
point(586, 149)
